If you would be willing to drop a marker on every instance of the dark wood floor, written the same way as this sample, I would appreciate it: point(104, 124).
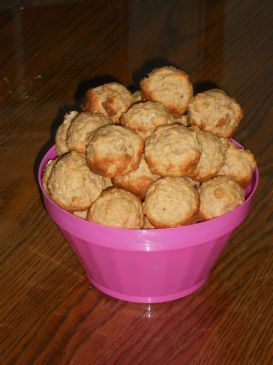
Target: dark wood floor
point(50, 53)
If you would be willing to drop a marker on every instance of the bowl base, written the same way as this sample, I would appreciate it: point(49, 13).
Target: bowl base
point(140, 299)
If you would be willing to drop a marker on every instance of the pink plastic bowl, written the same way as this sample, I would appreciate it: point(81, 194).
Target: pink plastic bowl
point(147, 266)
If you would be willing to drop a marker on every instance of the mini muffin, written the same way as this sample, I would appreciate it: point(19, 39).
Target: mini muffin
point(172, 150)
point(72, 185)
point(212, 155)
point(117, 208)
point(170, 86)
point(137, 181)
point(111, 100)
point(218, 196)
point(171, 202)
point(81, 128)
point(239, 163)
point(47, 172)
point(80, 213)
point(114, 150)
point(145, 117)
point(61, 134)
point(216, 112)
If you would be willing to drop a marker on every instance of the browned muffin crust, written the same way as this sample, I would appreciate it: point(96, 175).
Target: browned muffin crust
point(169, 86)
point(114, 150)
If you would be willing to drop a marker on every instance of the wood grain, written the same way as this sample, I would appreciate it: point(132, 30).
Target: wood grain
point(51, 52)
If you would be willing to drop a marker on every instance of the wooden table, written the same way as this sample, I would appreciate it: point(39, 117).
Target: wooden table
point(51, 52)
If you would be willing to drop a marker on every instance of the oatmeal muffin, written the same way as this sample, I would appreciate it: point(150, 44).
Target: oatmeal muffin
point(117, 208)
point(71, 183)
point(170, 86)
point(80, 129)
point(239, 163)
point(216, 112)
point(145, 117)
point(212, 155)
point(114, 150)
point(61, 134)
point(111, 100)
point(137, 181)
point(172, 150)
point(218, 196)
point(171, 202)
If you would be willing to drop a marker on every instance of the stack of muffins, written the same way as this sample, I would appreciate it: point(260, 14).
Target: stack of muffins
point(156, 158)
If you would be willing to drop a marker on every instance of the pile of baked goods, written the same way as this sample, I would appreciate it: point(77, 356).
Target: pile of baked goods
point(157, 158)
